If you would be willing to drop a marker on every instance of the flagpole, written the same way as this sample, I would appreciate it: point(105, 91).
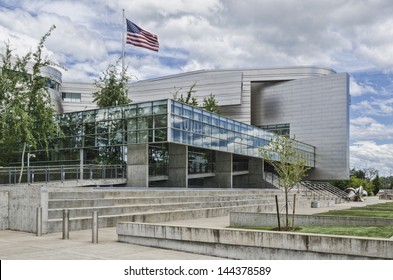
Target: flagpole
point(122, 44)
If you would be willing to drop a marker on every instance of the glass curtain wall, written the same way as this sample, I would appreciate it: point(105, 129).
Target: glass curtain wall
point(103, 136)
point(195, 127)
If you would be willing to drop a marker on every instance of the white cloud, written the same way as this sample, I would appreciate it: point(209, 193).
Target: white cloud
point(358, 89)
point(364, 128)
point(211, 33)
point(368, 154)
point(374, 107)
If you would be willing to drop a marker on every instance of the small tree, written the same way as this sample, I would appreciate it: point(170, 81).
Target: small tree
point(287, 161)
point(112, 87)
point(210, 104)
point(189, 99)
point(26, 113)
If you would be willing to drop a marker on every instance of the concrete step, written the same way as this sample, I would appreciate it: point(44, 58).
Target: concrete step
point(96, 202)
point(80, 223)
point(151, 207)
point(155, 205)
point(99, 193)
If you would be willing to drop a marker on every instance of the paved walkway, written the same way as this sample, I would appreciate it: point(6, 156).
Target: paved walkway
point(20, 245)
point(15, 245)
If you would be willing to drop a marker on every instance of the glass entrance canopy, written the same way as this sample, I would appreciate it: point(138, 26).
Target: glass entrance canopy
point(164, 121)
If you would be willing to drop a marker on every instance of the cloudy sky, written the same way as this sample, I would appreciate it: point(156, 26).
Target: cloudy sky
point(354, 36)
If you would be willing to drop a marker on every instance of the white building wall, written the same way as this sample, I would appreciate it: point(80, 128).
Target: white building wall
point(86, 91)
point(224, 85)
point(317, 110)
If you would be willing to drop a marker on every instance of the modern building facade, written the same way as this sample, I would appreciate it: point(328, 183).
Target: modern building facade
point(310, 103)
point(166, 143)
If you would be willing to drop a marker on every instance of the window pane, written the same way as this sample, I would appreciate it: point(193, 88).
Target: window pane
point(160, 121)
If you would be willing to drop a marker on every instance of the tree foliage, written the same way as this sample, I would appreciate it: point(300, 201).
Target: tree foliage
point(209, 103)
point(368, 178)
point(189, 98)
point(26, 113)
point(112, 87)
point(287, 161)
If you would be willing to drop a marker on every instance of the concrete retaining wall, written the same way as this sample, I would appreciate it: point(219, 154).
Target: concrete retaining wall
point(245, 244)
point(242, 219)
point(22, 204)
point(4, 210)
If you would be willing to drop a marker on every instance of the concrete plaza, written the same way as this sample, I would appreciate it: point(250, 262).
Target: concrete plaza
point(16, 245)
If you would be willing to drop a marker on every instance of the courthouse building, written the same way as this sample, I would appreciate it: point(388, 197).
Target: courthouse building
point(164, 142)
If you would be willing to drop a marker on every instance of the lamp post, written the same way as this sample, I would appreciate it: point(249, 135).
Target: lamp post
point(28, 167)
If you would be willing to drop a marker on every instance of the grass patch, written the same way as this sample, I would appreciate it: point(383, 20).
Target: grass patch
point(379, 232)
point(383, 210)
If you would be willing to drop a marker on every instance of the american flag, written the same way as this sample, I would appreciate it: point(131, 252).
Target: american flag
point(141, 38)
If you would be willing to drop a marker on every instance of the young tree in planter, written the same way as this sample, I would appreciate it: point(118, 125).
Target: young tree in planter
point(289, 164)
point(26, 113)
point(112, 87)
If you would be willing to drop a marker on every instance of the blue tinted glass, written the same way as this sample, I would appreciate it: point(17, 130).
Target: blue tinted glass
point(223, 145)
point(223, 134)
point(231, 125)
point(207, 142)
point(236, 127)
point(187, 138)
point(215, 132)
point(177, 109)
point(215, 120)
point(177, 122)
point(198, 127)
point(197, 114)
point(176, 136)
point(207, 129)
point(223, 122)
point(187, 111)
point(187, 124)
point(197, 140)
point(207, 117)
point(215, 143)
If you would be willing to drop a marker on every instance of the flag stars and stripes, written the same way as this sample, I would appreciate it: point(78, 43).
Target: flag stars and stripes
point(141, 38)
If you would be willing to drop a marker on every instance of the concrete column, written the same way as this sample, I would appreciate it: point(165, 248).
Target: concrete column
point(255, 167)
point(81, 163)
point(138, 165)
point(178, 165)
point(223, 172)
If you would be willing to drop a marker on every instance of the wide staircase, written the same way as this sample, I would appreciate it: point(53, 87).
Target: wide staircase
point(322, 190)
point(155, 205)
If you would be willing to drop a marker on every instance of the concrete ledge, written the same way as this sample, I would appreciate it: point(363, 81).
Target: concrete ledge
point(245, 244)
point(386, 196)
point(242, 219)
point(323, 203)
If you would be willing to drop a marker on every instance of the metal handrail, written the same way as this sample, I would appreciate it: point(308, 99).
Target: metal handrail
point(34, 174)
